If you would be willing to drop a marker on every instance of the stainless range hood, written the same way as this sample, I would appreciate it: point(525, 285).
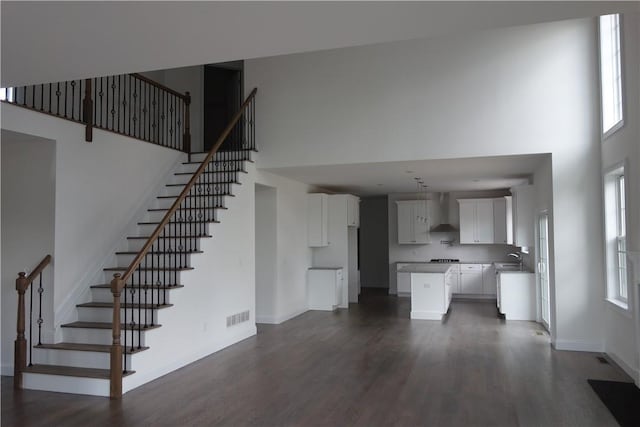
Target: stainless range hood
point(444, 226)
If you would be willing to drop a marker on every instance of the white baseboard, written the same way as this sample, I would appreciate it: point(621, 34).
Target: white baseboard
point(6, 370)
point(276, 320)
point(632, 372)
point(568, 345)
point(426, 315)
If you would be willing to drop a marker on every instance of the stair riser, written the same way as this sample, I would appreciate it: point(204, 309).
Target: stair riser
point(207, 202)
point(201, 190)
point(158, 277)
point(190, 227)
point(104, 295)
point(101, 336)
point(63, 384)
point(98, 314)
point(188, 244)
point(77, 359)
point(162, 260)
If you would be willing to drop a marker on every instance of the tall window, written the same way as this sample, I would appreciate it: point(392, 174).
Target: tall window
point(616, 235)
point(610, 73)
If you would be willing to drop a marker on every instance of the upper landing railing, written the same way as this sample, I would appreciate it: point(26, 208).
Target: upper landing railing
point(127, 104)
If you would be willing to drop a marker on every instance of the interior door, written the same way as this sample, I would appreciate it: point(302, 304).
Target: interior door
point(543, 269)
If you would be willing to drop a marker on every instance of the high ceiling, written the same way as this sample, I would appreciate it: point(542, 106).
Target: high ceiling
point(444, 175)
point(53, 41)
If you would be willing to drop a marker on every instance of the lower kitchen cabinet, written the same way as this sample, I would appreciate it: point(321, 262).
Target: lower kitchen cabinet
point(324, 288)
point(488, 279)
point(471, 279)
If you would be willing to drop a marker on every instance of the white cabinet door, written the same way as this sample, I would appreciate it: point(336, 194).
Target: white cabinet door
point(488, 279)
point(471, 283)
point(467, 221)
point(484, 221)
point(318, 220)
point(523, 215)
point(413, 223)
point(353, 211)
point(404, 284)
point(500, 220)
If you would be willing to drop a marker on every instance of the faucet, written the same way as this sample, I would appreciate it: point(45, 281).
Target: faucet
point(517, 256)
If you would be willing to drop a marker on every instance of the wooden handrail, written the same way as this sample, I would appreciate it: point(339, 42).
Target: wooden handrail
point(159, 85)
point(45, 261)
point(156, 233)
point(119, 281)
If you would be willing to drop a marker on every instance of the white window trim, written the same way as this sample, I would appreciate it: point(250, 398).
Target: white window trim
point(612, 289)
point(620, 124)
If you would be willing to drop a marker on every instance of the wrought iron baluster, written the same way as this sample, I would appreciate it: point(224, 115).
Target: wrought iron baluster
point(31, 325)
point(40, 319)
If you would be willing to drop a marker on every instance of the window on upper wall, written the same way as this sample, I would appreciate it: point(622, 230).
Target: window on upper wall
point(616, 235)
point(611, 74)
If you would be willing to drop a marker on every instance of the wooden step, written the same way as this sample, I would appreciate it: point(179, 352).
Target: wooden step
point(196, 196)
point(107, 325)
point(181, 223)
point(220, 161)
point(227, 171)
point(205, 183)
point(97, 348)
point(149, 269)
point(188, 209)
point(142, 287)
point(124, 305)
point(168, 237)
point(159, 252)
point(69, 371)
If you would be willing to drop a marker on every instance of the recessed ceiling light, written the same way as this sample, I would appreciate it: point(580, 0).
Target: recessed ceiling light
point(408, 171)
point(379, 185)
point(476, 180)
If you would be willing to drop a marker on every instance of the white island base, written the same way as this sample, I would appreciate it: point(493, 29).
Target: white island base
point(430, 292)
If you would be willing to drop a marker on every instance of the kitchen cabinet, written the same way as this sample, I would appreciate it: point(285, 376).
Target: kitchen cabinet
point(476, 221)
point(516, 295)
point(523, 215)
point(318, 220)
point(488, 279)
point(503, 220)
point(413, 222)
point(471, 279)
point(324, 288)
point(353, 211)
point(430, 293)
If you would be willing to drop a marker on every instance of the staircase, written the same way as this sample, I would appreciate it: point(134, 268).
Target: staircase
point(113, 338)
point(80, 364)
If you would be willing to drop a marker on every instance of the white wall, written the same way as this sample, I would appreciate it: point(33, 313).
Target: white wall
point(622, 329)
point(266, 215)
point(101, 190)
point(518, 90)
point(28, 207)
point(374, 242)
point(422, 253)
point(293, 253)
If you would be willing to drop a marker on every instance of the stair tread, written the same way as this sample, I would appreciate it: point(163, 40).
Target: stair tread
point(124, 305)
point(70, 371)
point(98, 348)
point(107, 325)
point(219, 194)
point(227, 171)
point(168, 287)
point(220, 161)
point(189, 236)
point(188, 209)
point(150, 269)
point(159, 252)
point(215, 221)
point(204, 183)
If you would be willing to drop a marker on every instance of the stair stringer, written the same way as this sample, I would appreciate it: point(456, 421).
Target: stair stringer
point(221, 284)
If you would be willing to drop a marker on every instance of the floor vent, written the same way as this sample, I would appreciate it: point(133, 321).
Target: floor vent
point(602, 360)
point(234, 319)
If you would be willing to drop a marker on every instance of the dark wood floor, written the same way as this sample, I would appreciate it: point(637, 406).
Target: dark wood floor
point(369, 366)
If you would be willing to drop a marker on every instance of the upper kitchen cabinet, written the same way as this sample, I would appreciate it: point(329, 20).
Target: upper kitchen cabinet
point(353, 211)
point(413, 222)
point(503, 220)
point(318, 219)
point(523, 215)
point(476, 221)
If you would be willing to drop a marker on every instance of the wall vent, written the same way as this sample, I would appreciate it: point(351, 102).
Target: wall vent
point(234, 319)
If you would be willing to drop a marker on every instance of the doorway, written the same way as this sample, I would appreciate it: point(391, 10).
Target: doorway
point(543, 269)
point(223, 90)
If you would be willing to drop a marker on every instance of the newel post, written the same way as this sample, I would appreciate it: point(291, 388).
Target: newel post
point(115, 381)
point(20, 354)
point(87, 111)
point(186, 138)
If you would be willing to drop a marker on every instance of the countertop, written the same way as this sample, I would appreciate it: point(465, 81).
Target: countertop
point(436, 267)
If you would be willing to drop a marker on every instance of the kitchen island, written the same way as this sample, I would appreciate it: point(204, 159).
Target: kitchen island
point(430, 290)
